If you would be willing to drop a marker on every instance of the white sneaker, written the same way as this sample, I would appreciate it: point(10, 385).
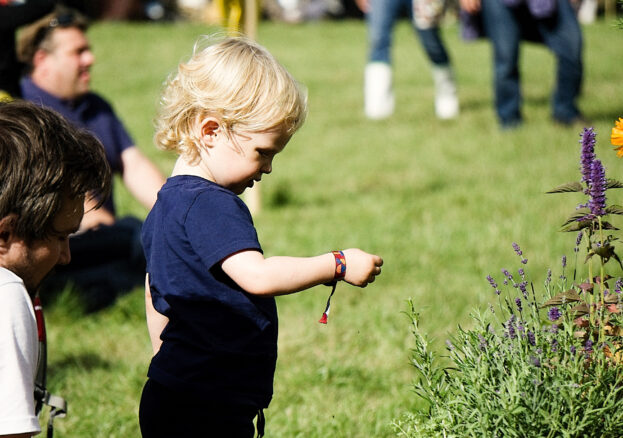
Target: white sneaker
point(587, 12)
point(446, 99)
point(378, 94)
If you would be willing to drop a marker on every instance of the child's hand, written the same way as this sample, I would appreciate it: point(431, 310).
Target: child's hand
point(361, 267)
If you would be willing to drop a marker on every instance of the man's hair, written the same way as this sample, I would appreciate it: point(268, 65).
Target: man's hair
point(43, 160)
point(38, 35)
point(235, 80)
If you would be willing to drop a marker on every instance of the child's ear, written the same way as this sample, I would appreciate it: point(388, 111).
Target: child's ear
point(210, 128)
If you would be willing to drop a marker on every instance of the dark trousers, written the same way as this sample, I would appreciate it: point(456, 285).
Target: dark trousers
point(105, 262)
point(164, 413)
point(506, 27)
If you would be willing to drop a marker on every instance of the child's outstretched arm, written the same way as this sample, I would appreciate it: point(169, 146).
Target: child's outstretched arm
point(284, 275)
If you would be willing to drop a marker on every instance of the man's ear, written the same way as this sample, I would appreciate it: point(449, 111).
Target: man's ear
point(7, 230)
point(38, 57)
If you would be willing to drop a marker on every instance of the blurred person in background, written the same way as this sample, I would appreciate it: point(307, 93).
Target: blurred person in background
point(551, 22)
point(108, 256)
point(381, 16)
point(13, 14)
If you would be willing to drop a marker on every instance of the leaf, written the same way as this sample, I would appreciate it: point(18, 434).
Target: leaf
point(569, 187)
point(565, 297)
point(580, 213)
point(613, 184)
point(576, 226)
point(614, 209)
point(608, 226)
point(616, 257)
point(580, 310)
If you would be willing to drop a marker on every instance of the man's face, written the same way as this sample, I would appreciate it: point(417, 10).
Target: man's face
point(33, 260)
point(66, 67)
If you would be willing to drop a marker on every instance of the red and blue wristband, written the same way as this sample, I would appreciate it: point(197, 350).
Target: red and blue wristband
point(340, 273)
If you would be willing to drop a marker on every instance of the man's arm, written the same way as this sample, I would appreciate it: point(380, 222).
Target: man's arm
point(141, 176)
point(93, 218)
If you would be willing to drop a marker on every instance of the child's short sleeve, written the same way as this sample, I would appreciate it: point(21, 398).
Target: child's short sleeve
point(219, 225)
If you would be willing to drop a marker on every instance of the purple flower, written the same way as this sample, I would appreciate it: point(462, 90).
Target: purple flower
point(554, 314)
point(535, 361)
point(572, 349)
point(522, 288)
point(518, 303)
point(554, 345)
point(507, 274)
point(564, 261)
point(618, 285)
point(531, 339)
point(524, 261)
point(548, 280)
point(510, 326)
point(521, 272)
point(493, 284)
point(588, 347)
point(597, 191)
point(517, 249)
point(588, 153)
point(483, 342)
point(554, 328)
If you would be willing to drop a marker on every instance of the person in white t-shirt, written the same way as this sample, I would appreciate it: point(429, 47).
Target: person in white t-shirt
point(47, 168)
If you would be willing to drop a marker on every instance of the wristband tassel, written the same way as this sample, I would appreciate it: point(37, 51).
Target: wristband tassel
point(340, 273)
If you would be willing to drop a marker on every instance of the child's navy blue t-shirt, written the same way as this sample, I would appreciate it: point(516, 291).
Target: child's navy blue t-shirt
point(220, 342)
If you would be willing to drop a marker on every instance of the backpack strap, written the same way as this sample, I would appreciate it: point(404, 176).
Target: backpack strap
point(58, 406)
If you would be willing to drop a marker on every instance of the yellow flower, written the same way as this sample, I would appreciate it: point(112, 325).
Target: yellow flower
point(616, 138)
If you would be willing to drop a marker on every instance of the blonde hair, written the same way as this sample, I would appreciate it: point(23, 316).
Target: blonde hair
point(235, 80)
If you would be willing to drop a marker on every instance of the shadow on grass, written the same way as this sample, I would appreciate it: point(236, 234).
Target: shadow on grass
point(87, 361)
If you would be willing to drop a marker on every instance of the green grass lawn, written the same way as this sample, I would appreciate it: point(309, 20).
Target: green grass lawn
point(441, 202)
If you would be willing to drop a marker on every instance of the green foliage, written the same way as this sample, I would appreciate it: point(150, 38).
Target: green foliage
point(520, 372)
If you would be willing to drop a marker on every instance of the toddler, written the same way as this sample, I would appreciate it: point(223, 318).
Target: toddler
point(210, 291)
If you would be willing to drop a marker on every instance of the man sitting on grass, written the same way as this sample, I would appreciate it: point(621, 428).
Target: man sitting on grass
point(47, 168)
point(108, 255)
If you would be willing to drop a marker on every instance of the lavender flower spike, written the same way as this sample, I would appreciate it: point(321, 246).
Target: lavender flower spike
point(517, 249)
point(597, 191)
point(554, 314)
point(518, 303)
point(588, 153)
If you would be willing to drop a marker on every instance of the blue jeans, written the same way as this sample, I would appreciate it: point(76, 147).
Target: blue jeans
point(381, 19)
point(505, 27)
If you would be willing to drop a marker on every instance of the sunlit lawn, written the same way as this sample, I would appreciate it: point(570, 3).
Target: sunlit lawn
point(440, 201)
